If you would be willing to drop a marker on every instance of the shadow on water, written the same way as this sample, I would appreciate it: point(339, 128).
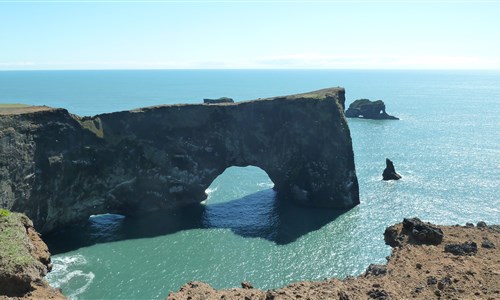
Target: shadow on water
point(259, 215)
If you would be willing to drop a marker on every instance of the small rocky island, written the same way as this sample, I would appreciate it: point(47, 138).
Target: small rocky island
point(366, 109)
point(389, 171)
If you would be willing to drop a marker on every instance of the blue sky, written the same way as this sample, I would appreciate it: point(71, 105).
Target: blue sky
point(249, 34)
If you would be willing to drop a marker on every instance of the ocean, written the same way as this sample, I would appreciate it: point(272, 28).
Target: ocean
point(446, 146)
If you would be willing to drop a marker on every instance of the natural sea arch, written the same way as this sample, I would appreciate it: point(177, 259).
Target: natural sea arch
point(59, 168)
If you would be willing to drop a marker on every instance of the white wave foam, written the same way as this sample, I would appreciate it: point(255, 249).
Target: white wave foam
point(65, 271)
point(89, 277)
point(266, 184)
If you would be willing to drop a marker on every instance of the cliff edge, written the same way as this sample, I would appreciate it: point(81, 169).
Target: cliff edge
point(24, 260)
point(60, 168)
point(427, 262)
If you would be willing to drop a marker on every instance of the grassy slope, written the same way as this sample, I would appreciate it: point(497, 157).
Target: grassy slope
point(13, 244)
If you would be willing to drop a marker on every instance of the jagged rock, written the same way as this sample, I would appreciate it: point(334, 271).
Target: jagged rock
point(444, 283)
point(481, 224)
point(366, 109)
point(378, 294)
point(59, 168)
point(246, 285)
point(219, 100)
point(376, 270)
point(392, 237)
point(431, 280)
point(487, 244)
point(467, 248)
point(389, 171)
point(421, 232)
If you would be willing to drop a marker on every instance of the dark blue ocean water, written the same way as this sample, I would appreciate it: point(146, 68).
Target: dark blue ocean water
point(446, 146)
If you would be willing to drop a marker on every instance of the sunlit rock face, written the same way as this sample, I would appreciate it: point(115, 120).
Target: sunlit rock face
point(59, 168)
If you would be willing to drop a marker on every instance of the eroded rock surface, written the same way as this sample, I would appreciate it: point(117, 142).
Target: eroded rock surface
point(59, 168)
point(366, 109)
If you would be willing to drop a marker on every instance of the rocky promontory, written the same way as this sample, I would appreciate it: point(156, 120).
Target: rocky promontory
point(24, 260)
point(427, 262)
point(59, 168)
point(366, 109)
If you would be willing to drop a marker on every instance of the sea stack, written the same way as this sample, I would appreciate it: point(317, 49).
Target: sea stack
point(389, 172)
point(366, 109)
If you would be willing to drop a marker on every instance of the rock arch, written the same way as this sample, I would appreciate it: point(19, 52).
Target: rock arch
point(163, 157)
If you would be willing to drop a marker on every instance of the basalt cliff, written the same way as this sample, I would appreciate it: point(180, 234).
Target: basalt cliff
point(60, 168)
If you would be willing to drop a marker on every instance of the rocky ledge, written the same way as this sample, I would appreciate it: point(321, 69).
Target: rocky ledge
point(427, 262)
point(24, 260)
point(59, 168)
point(366, 109)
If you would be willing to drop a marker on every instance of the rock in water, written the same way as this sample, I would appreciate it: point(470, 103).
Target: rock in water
point(59, 168)
point(389, 172)
point(366, 109)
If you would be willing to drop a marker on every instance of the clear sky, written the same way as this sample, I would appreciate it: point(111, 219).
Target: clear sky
point(249, 34)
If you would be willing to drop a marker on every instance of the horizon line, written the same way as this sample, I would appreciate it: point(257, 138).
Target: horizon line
point(258, 69)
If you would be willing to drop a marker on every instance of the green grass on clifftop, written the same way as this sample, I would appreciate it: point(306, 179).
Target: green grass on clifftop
point(14, 252)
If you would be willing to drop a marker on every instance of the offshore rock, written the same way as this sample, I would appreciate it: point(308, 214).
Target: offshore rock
point(366, 109)
point(59, 168)
point(389, 171)
point(24, 260)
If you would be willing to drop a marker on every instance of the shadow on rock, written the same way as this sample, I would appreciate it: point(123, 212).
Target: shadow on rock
point(260, 215)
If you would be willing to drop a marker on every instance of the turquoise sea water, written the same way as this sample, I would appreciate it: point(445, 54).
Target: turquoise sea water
point(446, 146)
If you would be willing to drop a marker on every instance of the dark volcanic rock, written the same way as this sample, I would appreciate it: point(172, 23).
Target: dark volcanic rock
point(366, 109)
point(488, 244)
point(421, 232)
point(219, 100)
point(59, 168)
point(376, 270)
point(392, 237)
point(467, 248)
point(378, 294)
point(389, 171)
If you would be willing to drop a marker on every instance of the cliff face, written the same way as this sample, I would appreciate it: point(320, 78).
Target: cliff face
point(24, 260)
point(59, 168)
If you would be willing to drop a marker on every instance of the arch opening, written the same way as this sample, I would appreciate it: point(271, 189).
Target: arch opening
point(237, 182)
point(242, 199)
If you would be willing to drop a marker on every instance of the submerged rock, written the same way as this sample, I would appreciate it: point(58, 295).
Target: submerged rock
point(366, 109)
point(59, 168)
point(389, 171)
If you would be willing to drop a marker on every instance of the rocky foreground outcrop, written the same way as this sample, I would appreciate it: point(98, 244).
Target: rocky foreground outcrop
point(427, 262)
point(59, 168)
point(24, 260)
point(366, 109)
